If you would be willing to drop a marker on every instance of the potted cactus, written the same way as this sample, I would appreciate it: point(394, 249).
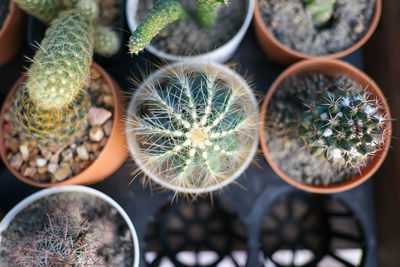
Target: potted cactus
point(12, 28)
point(327, 126)
point(54, 105)
point(200, 29)
point(301, 29)
point(192, 128)
point(68, 226)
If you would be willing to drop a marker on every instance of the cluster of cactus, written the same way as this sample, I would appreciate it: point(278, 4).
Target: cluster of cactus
point(193, 130)
point(168, 11)
point(320, 10)
point(51, 107)
point(337, 119)
point(65, 239)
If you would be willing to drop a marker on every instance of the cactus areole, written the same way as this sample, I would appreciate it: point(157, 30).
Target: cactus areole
point(193, 127)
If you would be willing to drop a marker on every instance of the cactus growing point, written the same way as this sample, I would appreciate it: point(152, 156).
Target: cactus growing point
point(321, 10)
point(194, 129)
point(207, 10)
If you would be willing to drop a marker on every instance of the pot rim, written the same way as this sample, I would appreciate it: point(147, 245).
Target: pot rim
point(5, 222)
point(12, 9)
point(293, 53)
point(358, 76)
point(114, 91)
point(133, 147)
point(220, 54)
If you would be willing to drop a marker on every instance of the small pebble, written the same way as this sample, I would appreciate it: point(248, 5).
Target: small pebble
point(24, 151)
point(42, 170)
point(63, 173)
point(107, 127)
point(52, 168)
point(97, 116)
point(29, 172)
point(16, 161)
point(96, 134)
point(82, 152)
point(41, 162)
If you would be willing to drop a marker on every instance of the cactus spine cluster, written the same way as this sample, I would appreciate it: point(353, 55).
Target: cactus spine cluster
point(66, 239)
point(44, 10)
point(194, 129)
point(345, 125)
point(166, 12)
point(321, 10)
point(62, 64)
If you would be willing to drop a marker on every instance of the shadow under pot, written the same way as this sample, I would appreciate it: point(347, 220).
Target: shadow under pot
point(68, 226)
point(187, 39)
point(79, 144)
point(193, 127)
point(325, 126)
point(12, 29)
point(303, 29)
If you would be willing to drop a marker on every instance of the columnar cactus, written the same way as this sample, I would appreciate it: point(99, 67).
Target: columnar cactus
point(321, 10)
point(166, 12)
point(194, 129)
point(62, 64)
point(66, 239)
point(345, 125)
point(44, 10)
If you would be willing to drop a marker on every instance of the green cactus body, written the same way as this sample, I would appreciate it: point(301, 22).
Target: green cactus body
point(195, 130)
point(62, 64)
point(207, 11)
point(166, 12)
point(69, 3)
point(88, 8)
point(321, 10)
point(50, 128)
point(345, 125)
point(44, 10)
point(106, 40)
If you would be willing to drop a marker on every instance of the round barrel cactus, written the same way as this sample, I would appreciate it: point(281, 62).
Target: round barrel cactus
point(193, 128)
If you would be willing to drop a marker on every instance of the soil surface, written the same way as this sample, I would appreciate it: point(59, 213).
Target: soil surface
point(292, 25)
point(4, 10)
point(186, 38)
point(285, 146)
point(118, 253)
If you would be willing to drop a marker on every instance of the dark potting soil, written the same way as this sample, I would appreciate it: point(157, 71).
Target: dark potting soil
point(4, 10)
point(186, 38)
point(292, 25)
point(284, 144)
point(119, 252)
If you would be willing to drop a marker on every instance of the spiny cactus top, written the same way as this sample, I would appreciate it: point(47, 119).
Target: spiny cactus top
point(62, 64)
point(166, 12)
point(321, 10)
point(44, 10)
point(193, 128)
point(346, 125)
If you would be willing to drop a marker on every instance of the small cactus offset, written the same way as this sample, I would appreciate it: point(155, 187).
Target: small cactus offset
point(50, 128)
point(345, 125)
point(88, 8)
point(321, 10)
point(194, 129)
point(166, 12)
point(66, 239)
point(44, 10)
point(62, 64)
point(207, 11)
point(106, 41)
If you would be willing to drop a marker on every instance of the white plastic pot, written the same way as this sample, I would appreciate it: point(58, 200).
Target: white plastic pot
point(220, 54)
point(72, 188)
point(131, 136)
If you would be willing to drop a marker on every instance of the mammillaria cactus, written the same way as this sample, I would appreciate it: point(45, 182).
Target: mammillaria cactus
point(44, 10)
point(321, 10)
point(345, 125)
point(193, 129)
point(166, 12)
point(66, 239)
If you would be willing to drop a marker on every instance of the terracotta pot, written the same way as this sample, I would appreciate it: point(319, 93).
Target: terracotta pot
point(12, 34)
point(109, 160)
point(329, 67)
point(284, 55)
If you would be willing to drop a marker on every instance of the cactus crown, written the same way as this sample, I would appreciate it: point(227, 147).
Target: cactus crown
point(166, 12)
point(345, 125)
point(194, 129)
point(321, 10)
point(64, 240)
point(44, 10)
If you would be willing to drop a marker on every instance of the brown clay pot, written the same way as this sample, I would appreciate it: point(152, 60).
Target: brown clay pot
point(109, 160)
point(284, 55)
point(12, 34)
point(328, 67)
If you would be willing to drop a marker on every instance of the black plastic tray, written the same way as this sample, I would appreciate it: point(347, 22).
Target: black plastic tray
point(245, 205)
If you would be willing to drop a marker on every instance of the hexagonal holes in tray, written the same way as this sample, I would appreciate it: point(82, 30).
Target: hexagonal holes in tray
point(307, 230)
point(196, 234)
